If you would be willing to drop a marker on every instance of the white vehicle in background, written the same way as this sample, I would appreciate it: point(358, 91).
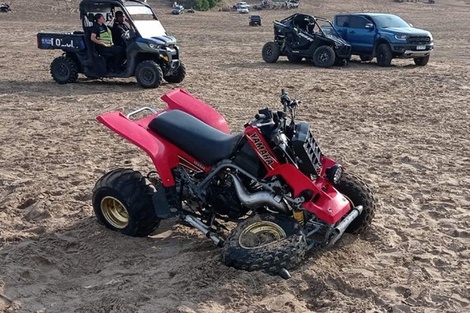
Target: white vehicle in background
point(243, 9)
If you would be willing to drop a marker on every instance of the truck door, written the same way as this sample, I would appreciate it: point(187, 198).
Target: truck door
point(360, 35)
point(341, 25)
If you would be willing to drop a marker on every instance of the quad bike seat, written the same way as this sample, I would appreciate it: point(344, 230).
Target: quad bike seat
point(195, 137)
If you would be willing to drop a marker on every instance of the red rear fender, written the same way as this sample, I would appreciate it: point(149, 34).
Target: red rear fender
point(160, 151)
point(179, 99)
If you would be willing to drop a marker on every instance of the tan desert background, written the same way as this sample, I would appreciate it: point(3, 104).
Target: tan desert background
point(404, 129)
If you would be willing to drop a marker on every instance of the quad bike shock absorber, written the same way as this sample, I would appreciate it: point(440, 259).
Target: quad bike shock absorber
point(299, 216)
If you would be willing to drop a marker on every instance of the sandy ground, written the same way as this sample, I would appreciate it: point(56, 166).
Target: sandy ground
point(404, 129)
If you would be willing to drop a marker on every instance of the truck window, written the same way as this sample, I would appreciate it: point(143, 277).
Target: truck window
point(357, 22)
point(342, 21)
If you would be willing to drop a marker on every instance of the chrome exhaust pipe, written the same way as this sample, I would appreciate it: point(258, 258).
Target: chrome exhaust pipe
point(196, 223)
point(257, 199)
point(341, 227)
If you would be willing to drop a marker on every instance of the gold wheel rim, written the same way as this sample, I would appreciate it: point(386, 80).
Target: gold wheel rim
point(261, 234)
point(114, 212)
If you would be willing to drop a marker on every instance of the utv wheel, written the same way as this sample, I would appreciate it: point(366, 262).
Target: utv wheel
point(265, 242)
point(359, 194)
point(149, 74)
point(122, 201)
point(324, 56)
point(365, 58)
point(64, 70)
point(178, 76)
point(271, 52)
point(384, 55)
point(421, 61)
point(294, 58)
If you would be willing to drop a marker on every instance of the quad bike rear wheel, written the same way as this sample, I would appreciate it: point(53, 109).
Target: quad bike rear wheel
point(178, 76)
point(64, 70)
point(122, 201)
point(265, 242)
point(149, 74)
point(271, 52)
point(324, 56)
point(357, 191)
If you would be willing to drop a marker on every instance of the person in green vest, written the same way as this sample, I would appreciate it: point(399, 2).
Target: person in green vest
point(101, 36)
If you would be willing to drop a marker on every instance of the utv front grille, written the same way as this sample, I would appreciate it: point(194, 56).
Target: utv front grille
point(306, 150)
point(419, 40)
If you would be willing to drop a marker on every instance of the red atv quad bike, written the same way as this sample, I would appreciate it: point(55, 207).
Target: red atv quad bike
point(285, 196)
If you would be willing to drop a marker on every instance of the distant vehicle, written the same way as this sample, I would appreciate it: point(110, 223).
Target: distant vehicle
point(255, 20)
point(152, 55)
point(179, 9)
point(385, 37)
point(243, 9)
point(302, 36)
point(238, 5)
point(4, 7)
point(191, 10)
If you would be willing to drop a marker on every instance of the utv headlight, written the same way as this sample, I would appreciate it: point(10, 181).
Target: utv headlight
point(334, 173)
point(401, 37)
point(154, 46)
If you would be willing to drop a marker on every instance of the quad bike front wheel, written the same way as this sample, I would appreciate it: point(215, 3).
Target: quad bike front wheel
point(64, 70)
point(271, 52)
point(149, 74)
point(265, 242)
point(122, 201)
point(324, 56)
point(357, 191)
point(178, 76)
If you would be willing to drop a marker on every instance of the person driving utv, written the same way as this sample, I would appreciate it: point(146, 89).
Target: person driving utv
point(102, 37)
point(120, 26)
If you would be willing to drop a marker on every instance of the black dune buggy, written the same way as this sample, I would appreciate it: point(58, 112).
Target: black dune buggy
point(302, 36)
point(151, 55)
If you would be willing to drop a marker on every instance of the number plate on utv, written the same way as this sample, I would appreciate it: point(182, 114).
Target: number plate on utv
point(68, 42)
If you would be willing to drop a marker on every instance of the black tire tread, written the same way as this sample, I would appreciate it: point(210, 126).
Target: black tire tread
point(73, 68)
point(330, 62)
point(288, 253)
point(178, 77)
point(421, 61)
point(135, 194)
point(360, 194)
point(276, 52)
point(386, 60)
point(158, 70)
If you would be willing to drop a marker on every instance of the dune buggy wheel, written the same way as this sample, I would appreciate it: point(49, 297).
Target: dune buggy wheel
point(358, 193)
point(271, 52)
point(265, 242)
point(64, 70)
point(384, 55)
point(324, 56)
point(421, 61)
point(177, 76)
point(149, 74)
point(122, 201)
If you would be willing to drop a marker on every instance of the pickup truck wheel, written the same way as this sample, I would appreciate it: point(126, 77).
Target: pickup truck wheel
point(384, 55)
point(64, 70)
point(324, 56)
point(271, 52)
point(421, 61)
point(149, 74)
point(365, 58)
